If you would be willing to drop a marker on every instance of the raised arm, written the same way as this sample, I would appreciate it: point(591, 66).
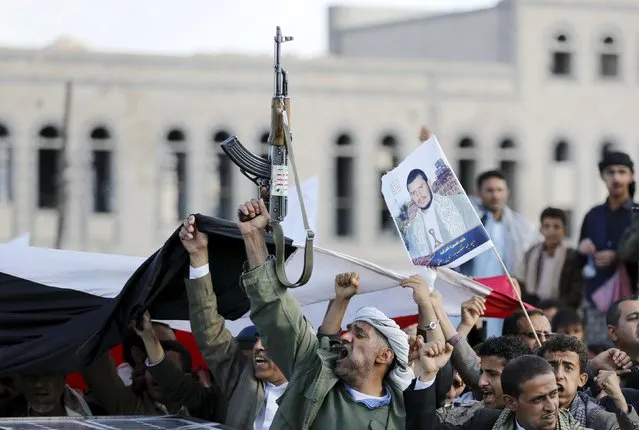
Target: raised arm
point(346, 285)
point(289, 338)
point(429, 322)
point(178, 387)
point(463, 358)
point(218, 346)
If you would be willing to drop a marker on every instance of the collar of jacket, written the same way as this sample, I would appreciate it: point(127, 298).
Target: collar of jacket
point(506, 421)
point(326, 380)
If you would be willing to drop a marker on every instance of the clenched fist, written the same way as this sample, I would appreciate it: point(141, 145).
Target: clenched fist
point(346, 285)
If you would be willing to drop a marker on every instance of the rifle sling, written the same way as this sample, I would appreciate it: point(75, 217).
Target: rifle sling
point(278, 233)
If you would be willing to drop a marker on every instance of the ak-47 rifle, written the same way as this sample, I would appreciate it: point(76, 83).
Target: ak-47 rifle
point(271, 175)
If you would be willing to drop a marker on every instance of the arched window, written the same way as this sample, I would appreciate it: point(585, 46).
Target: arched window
point(49, 168)
point(508, 167)
point(102, 169)
point(507, 143)
point(561, 152)
point(387, 159)
point(609, 57)
point(561, 54)
point(344, 186)
point(6, 166)
point(174, 176)
point(264, 144)
point(467, 166)
point(225, 174)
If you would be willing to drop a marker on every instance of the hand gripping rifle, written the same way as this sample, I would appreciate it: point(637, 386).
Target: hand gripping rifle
point(271, 175)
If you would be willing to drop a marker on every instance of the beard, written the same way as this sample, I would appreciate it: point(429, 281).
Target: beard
point(351, 371)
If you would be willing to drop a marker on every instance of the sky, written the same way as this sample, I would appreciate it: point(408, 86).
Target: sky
point(184, 27)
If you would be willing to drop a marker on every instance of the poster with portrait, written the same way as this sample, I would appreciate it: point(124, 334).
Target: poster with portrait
point(433, 214)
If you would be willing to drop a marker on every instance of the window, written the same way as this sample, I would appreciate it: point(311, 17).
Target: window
point(388, 158)
point(507, 144)
point(176, 140)
point(225, 174)
point(49, 166)
point(102, 169)
point(569, 222)
point(562, 152)
point(264, 148)
point(609, 57)
point(561, 55)
point(508, 166)
point(6, 166)
point(466, 165)
point(344, 187)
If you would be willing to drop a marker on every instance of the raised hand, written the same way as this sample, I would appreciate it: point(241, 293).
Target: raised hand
point(612, 359)
point(432, 357)
point(193, 240)
point(253, 217)
point(472, 310)
point(145, 329)
point(346, 285)
point(609, 382)
point(421, 290)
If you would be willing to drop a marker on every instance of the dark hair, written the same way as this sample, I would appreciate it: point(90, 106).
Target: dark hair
point(566, 343)
point(488, 175)
point(566, 317)
point(414, 174)
point(550, 212)
point(614, 312)
point(511, 326)
point(185, 355)
point(506, 347)
point(521, 370)
point(130, 340)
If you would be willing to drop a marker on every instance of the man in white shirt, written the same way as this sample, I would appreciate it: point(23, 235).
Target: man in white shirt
point(251, 383)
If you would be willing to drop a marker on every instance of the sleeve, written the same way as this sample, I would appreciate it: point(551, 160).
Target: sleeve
point(109, 390)
point(421, 411)
point(289, 338)
point(465, 362)
point(218, 346)
point(182, 389)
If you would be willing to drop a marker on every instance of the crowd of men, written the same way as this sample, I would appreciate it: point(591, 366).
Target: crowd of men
point(567, 364)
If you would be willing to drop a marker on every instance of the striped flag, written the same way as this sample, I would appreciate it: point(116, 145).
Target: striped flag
point(60, 309)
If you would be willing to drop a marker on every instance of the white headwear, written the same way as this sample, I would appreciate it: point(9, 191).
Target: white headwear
point(401, 375)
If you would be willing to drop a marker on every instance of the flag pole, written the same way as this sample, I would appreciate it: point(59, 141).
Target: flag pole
point(512, 284)
point(424, 135)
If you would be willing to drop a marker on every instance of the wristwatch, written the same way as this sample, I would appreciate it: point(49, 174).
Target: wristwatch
point(432, 325)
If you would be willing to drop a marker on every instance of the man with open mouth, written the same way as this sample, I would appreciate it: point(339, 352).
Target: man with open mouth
point(359, 387)
point(494, 354)
point(251, 382)
point(569, 358)
point(530, 396)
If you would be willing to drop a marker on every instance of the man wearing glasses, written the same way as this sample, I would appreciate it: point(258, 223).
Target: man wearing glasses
point(516, 324)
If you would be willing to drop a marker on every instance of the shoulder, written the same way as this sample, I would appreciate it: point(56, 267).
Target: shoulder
point(596, 210)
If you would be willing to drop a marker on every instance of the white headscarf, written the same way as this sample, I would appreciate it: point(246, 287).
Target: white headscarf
point(401, 375)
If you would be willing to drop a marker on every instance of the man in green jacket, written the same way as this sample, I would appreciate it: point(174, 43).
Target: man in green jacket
point(358, 385)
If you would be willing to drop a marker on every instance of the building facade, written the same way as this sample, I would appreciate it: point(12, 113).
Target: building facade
point(537, 88)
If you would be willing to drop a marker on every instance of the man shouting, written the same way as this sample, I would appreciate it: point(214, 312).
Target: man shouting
point(358, 385)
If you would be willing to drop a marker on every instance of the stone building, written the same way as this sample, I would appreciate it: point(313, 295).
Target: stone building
point(538, 88)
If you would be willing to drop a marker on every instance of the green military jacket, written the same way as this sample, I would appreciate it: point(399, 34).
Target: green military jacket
point(315, 398)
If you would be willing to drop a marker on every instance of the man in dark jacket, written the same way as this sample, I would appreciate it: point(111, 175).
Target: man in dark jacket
point(601, 232)
point(530, 394)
